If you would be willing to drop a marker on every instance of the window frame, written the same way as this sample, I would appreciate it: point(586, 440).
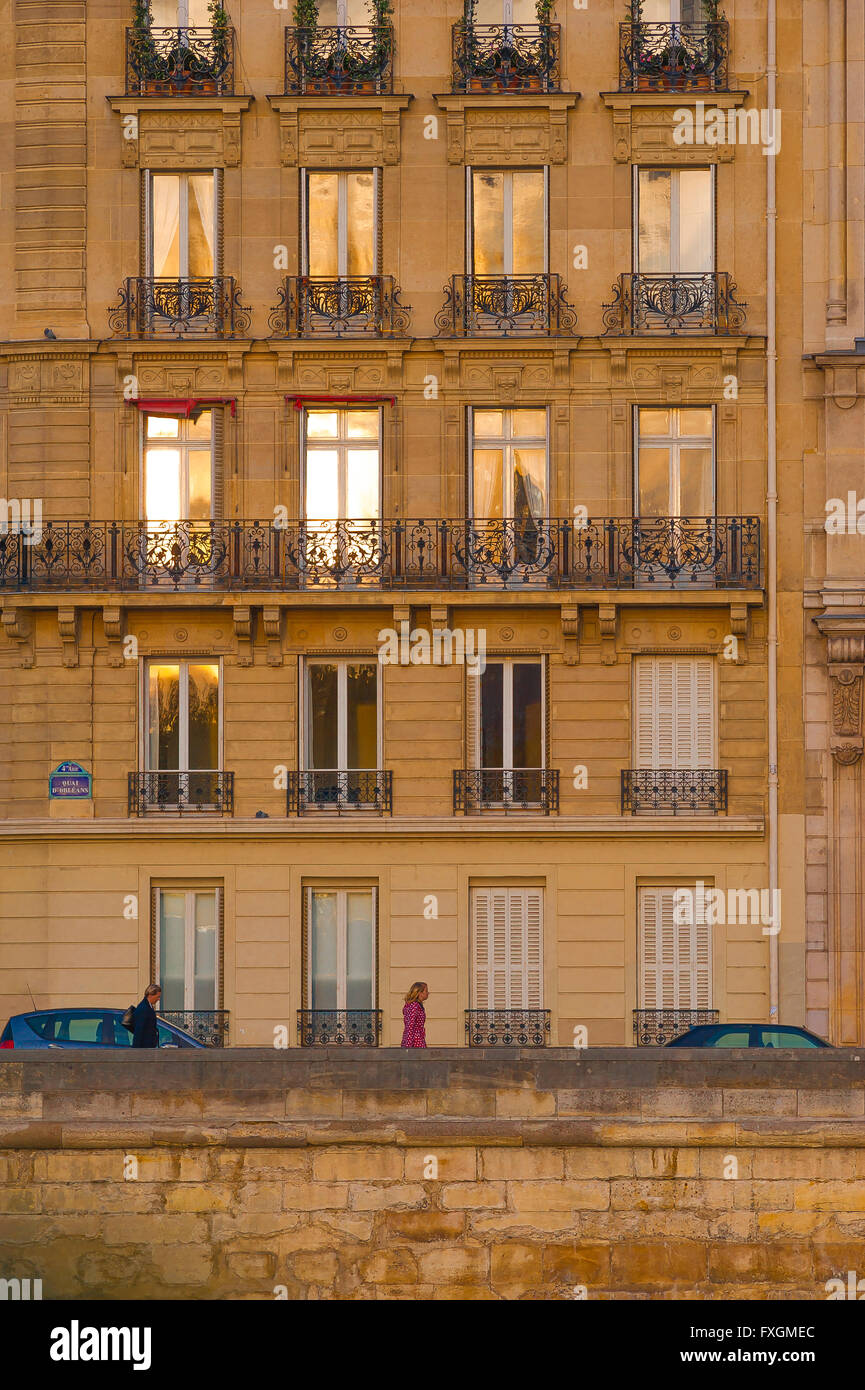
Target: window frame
point(507, 237)
point(342, 176)
point(189, 892)
point(342, 664)
point(676, 445)
point(183, 222)
point(675, 222)
point(184, 662)
point(341, 444)
point(184, 447)
point(342, 891)
point(507, 443)
point(509, 662)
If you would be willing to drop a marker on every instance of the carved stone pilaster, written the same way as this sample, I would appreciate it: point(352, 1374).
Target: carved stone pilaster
point(112, 621)
point(846, 669)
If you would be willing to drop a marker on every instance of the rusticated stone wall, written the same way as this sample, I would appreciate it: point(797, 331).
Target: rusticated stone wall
point(445, 1175)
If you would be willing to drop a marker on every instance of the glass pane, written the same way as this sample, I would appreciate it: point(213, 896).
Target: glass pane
point(779, 1037)
point(490, 11)
point(322, 738)
point(528, 223)
point(162, 500)
point(529, 424)
point(322, 424)
point(359, 950)
point(489, 222)
point(163, 705)
point(492, 715)
point(201, 224)
point(327, 12)
point(323, 251)
point(488, 424)
point(530, 482)
point(165, 13)
point(657, 11)
point(200, 484)
point(83, 1028)
point(322, 484)
point(523, 12)
point(323, 940)
point(165, 227)
point(654, 422)
point(695, 483)
point(362, 716)
point(199, 16)
point(361, 230)
point(202, 428)
point(653, 493)
point(361, 489)
point(361, 424)
point(732, 1037)
point(203, 717)
point(488, 468)
point(695, 220)
point(527, 715)
point(172, 949)
point(205, 951)
point(162, 427)
point(695, 423)
point(653, 251)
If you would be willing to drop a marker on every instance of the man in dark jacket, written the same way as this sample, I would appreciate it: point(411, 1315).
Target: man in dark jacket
point(145, 1032)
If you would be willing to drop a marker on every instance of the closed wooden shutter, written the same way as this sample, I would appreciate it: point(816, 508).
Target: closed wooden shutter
point(507, 931)
point(473, 707)
point(675, 957)
point(218, 418)
point(674, 715)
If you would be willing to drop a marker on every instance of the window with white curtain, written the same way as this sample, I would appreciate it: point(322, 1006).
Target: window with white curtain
point(171, 14)
point(509, 464)
point(178, 468)
point(340, 225)
point(675, 466)
point(675, 222)
point(507, 221)
point(187, 948)
point(679, 11)
point(341, 948)
point(342, 474)
point(181, 225)
point(505, 12)
point(345, 13)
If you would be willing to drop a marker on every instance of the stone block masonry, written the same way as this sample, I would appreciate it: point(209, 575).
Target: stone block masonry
point(311, 1174)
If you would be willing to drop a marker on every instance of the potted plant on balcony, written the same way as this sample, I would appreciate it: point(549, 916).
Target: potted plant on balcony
point(684, 58)
point(220, 38)
point(144, 61)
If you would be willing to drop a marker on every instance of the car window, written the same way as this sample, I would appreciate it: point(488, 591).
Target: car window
point(43, 1025)
point(85, 1028)
point(167, 1038)
point(783, 1037)
point(730, 1037)
point(122, 1036)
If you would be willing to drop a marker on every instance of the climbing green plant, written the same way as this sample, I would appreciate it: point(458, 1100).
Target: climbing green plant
point(544, 10)
point(305, 14)
point(380, 12)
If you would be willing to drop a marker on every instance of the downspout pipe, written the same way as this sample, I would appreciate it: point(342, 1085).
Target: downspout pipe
point(772, 492)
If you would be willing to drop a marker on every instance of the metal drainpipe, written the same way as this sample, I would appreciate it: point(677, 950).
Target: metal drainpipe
point(772, 495)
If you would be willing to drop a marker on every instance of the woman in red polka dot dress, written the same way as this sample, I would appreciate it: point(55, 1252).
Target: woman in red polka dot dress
point(414, 1016)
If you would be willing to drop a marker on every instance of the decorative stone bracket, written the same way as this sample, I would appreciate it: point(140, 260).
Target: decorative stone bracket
point(67, 626)
point(846, 652)
point(739, 629)
point(112, 622)
point(244, 631)
point(271, 618)
point(17, 631)
point(607, 628)
point(571, 633)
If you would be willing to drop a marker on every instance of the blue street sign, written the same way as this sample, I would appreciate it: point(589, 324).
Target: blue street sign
point(70, 780)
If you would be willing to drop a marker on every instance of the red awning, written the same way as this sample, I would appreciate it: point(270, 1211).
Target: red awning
point(301, 400)
point(181, 409)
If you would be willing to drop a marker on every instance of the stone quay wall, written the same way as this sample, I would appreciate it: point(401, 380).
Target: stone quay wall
point(450, 1174)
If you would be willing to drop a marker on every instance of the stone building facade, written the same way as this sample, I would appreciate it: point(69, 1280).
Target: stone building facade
point(452, 342)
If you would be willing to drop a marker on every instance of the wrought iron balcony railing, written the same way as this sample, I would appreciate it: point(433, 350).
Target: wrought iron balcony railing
point(674, 304)
point(506, 789)
point(657, 1027)
point(191, 306)
point(205, 792)
point(353, 306)
point(180, 62)
point(506, 57)
point(355, 790)
point(208, 1026)
point(508, 1027)
point(674, 57)
point(665, 791)
point(338, 58)
point(339, 1027)
point(505, 306)
point(614, 553)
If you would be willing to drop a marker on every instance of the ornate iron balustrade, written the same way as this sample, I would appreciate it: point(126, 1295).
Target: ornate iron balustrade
point(617, 553)
point(507, 1027)
point(205, 792)
point(183, 61)
point(338, 58)
point(505, 306)
point(352, 306)
point(208, 1026)
point(354, 790)
point(657, 789)
point(506, 789)
point(674, 304)
point(657, 1027)
point(674, 57)
point(190, 306)
point(339, 1027)
point(506, 57)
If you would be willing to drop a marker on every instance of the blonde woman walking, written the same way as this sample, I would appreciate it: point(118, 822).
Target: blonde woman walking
point(414, 1016)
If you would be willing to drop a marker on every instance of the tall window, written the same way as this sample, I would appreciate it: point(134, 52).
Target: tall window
point(507, 948)
point(342, 728)
point(511, 715)
point(183, 716)
point(682, 11)
point(178, 468)
point(674, 712)
point(187, 924)
point(675, 221)
point(675, 473)
point(340, 965)
point(344, 12)
point(509, 464)
point(675, 959)
point(343, 465)
point(340, 224)
point(508, 222)
point(505, 12)
point(168, 14)
point(181, 225)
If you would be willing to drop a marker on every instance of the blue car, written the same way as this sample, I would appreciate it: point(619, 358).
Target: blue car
point(82, 1028)
point(745, 1035)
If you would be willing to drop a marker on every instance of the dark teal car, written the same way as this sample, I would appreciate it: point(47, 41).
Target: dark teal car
point(747, 1035)
point(82, 1028)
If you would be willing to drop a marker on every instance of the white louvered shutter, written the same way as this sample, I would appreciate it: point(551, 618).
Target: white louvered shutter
point(675, 958)
point(674, 720)
point(507, 928)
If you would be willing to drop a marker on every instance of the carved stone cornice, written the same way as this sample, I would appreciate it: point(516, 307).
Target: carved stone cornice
point(344, 130)
point(844, 377)
point(180, 131)
point(489, 127)
point(643, 125)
